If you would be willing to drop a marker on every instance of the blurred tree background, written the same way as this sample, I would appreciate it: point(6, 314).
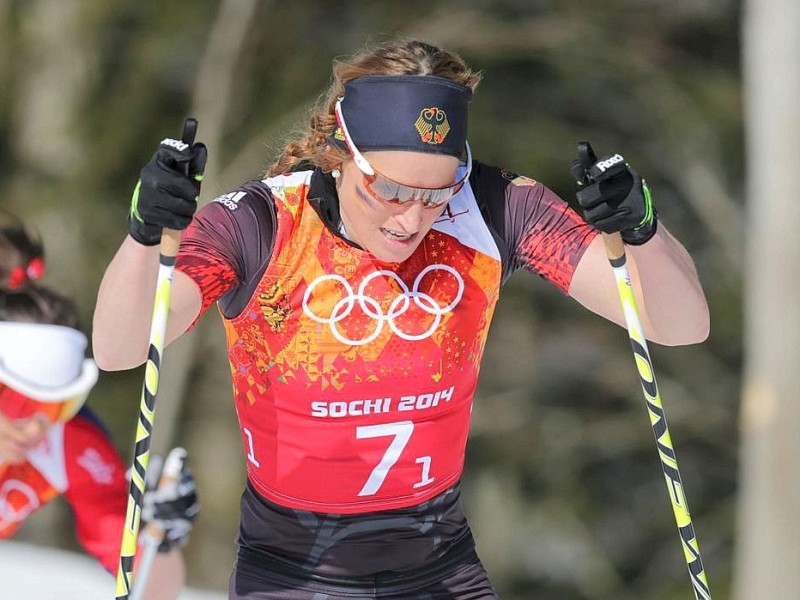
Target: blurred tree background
point(563, 484)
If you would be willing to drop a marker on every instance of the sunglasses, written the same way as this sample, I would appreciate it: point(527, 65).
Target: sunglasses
point(19, 407)
point(393, 192)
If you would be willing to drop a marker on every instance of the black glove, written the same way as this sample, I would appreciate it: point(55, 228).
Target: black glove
point(168, 188)
point(170, 502)
point(613, 196)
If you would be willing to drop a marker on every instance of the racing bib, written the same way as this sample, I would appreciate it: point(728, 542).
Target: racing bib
point(354, 379)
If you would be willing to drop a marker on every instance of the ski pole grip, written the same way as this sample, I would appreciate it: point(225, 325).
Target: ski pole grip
point(615, 248)
point(170, 242)
point(171, 238)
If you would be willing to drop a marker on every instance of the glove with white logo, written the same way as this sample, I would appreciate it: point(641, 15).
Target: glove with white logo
point(613, 196)
point(170, 504)
point(168, 188)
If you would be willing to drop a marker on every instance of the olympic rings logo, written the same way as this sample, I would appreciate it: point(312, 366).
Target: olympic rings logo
point(373, 309)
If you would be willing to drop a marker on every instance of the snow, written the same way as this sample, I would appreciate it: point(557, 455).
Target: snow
point(61, 575)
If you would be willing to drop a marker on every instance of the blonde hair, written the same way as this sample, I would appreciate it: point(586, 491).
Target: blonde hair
point(398, 57)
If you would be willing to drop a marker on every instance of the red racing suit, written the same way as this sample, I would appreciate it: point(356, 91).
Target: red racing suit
point(77, 460)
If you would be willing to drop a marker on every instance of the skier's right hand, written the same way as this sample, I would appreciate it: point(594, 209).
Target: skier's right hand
point(170, 502)
point(167, 191)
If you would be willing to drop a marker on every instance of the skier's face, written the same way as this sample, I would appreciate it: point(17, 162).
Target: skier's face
point(391, 231)
point(23, 424)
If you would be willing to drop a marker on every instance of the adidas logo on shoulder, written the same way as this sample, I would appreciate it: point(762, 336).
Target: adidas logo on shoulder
point(231, 199)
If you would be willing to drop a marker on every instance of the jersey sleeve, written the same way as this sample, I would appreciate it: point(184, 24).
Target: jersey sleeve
point(96, 488)
point(536, 229)
point(207, 253)
point(227, 246)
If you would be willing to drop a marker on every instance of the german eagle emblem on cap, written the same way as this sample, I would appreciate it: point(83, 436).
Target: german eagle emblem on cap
point(432, 125)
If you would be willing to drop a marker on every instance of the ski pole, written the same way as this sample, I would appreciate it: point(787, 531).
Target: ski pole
point(168, 251)
point(615, 250)
point(153, 534)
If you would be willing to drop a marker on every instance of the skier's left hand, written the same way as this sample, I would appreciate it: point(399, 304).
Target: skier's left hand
point(613, 196)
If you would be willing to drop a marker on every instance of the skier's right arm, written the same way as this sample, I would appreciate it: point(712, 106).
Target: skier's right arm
point(165, 196)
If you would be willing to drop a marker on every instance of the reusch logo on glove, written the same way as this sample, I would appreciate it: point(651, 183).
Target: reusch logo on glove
point(605, 165)
point(177, 144)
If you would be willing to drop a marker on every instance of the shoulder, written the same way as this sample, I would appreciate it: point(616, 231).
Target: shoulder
point(89, 452)
point(250, 198)
point(236, 215)
point(85, 430)
point(489, 178)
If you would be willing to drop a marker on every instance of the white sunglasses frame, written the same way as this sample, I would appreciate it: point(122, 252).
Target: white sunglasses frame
point(367, 169)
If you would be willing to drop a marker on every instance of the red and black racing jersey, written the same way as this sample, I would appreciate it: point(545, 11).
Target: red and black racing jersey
point(354, 379)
